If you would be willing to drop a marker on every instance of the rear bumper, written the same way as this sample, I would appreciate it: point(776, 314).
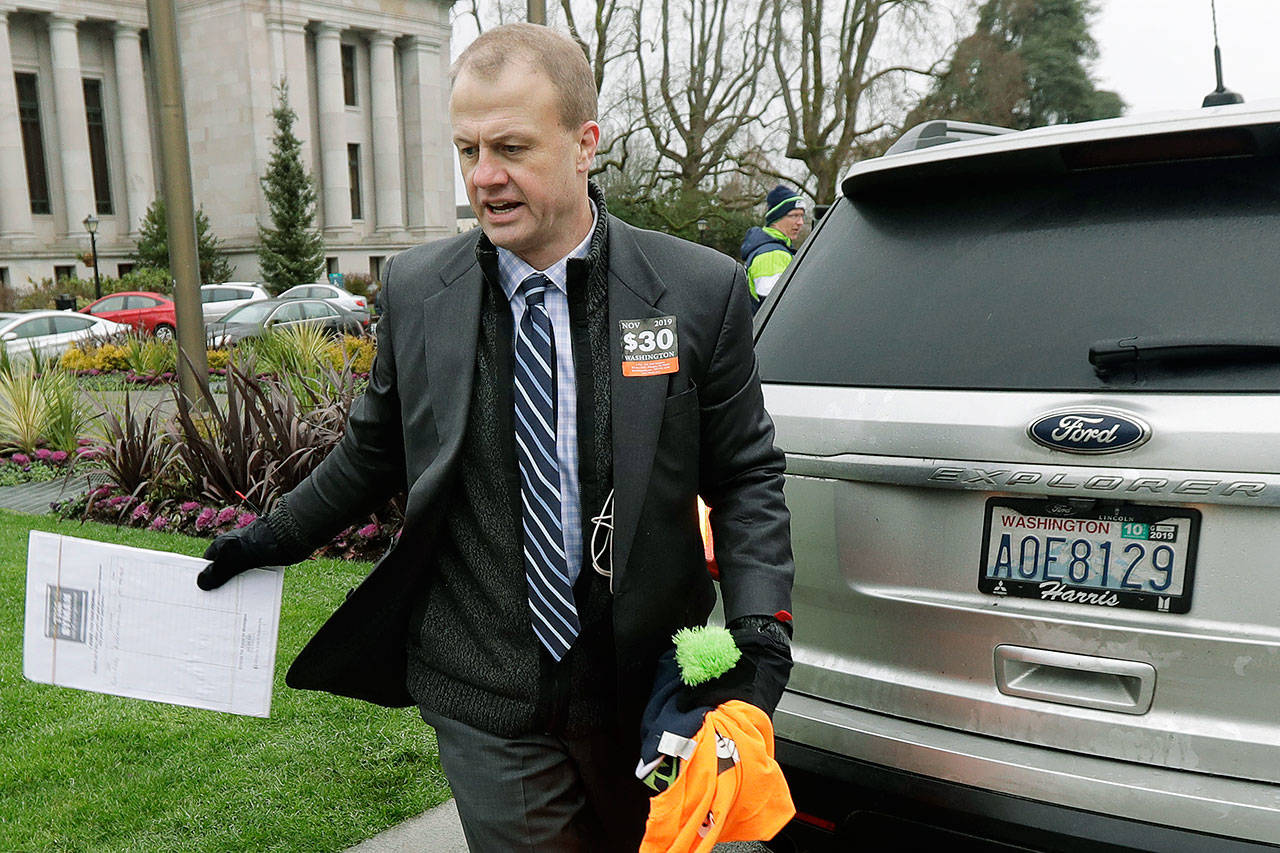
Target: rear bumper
point(867, 772)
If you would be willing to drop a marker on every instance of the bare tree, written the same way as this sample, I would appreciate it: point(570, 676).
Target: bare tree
point(711, 55)
point(833, 114)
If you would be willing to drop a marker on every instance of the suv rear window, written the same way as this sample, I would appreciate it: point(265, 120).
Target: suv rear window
point(1005, 284)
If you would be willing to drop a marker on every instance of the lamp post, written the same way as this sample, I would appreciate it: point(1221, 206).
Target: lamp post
point(91, 225)
point(702, 231)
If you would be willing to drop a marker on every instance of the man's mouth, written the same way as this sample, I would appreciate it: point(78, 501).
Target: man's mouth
point(499, 208)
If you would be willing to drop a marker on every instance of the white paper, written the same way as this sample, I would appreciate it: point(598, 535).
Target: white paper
point(132, 622)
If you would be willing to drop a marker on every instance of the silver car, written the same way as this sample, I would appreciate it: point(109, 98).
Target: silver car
point(219, 300)
point(357, 305)
point(1028, 386)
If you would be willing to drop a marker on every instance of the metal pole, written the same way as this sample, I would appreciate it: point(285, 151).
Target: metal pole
point(175, 163)
point(97, 279)
point(536, 11)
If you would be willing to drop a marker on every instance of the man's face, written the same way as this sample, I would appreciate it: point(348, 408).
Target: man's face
point(791, 223)
point(525, 172)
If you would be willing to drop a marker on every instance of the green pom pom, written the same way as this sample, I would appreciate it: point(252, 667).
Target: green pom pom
point(704, 653)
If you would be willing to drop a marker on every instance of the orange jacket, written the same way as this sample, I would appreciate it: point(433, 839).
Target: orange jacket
point(730, 790)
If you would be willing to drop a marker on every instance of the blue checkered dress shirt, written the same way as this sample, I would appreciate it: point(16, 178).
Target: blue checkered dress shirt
point(512, 271)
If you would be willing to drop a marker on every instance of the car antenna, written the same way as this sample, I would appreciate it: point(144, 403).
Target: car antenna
point(1221, 95)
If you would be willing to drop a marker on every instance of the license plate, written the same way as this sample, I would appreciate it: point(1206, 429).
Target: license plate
point(1101, 553)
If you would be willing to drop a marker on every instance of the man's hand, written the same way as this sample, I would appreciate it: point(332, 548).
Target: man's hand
point(250, 547)
point(760, 675)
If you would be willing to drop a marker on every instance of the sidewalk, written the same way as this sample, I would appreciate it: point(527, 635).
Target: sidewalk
point(436, 830)
point(34, 498)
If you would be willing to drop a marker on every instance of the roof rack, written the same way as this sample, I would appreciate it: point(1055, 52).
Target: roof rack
point(941, 131)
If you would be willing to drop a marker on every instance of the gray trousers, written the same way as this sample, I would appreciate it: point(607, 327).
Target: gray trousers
point(541, 793)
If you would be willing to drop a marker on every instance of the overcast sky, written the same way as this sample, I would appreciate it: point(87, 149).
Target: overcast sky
point(1158, 54)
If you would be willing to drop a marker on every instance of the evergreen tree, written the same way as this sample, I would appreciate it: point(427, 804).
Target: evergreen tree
point(153, 245)
point(292, 250)
point(1025, 65)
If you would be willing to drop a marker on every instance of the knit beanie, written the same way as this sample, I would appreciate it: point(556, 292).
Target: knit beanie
point(781, 200)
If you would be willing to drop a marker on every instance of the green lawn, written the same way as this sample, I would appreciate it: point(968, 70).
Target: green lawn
point(84, 771)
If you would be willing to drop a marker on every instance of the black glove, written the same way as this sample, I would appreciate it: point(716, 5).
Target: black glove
point(759, 676)
point(249, 547)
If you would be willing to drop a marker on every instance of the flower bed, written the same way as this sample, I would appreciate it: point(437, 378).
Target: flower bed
point(43, 464)
point(111, 505)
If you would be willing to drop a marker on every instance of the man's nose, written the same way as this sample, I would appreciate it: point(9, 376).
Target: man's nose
point(488, 172)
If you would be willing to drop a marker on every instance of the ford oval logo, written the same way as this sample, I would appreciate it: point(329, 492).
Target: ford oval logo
point(1089, 431)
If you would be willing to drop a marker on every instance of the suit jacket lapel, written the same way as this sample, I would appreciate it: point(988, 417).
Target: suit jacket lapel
point(635, 290)
point(451, 322)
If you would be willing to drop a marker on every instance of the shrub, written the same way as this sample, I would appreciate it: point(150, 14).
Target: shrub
point(150, 357)
point(135, 450)
point(218, 358)
point(40, 409)
point(22, 410)
point(359, 284)
point(259, 445)
point(152, 279)
point(298, 356)
point(66, 414)
point(352, 353)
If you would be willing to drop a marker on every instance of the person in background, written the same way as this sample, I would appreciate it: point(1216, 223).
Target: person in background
point(768, 251)
point(552, 375)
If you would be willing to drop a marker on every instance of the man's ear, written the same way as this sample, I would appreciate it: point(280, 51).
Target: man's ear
point(588, 142)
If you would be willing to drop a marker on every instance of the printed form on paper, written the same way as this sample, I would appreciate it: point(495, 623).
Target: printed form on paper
point(132, 622)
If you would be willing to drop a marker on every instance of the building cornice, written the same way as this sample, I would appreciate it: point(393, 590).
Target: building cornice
point(90, 11)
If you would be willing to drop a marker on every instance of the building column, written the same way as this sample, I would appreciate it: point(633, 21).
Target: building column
point(335, 181)
point(386, 133)
point(73, 127)
point(275, 42)
point(135, 128)
point(294, 71)
point(15, 198)
point(426, 107)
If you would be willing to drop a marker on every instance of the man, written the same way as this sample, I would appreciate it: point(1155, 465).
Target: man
point(549, 369)
point(768, 251)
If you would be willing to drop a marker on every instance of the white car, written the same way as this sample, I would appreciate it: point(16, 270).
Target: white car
point(219, 300)
point(357, 305)
point(49, 333)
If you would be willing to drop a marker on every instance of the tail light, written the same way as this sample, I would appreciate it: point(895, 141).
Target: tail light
point(360, 302)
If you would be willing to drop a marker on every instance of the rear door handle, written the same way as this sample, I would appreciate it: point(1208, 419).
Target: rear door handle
point(1084, 681)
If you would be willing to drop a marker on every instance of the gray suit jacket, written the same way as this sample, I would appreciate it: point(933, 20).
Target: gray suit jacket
point(699, 431)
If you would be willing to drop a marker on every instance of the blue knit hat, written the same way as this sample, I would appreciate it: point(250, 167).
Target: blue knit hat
point(781, 200)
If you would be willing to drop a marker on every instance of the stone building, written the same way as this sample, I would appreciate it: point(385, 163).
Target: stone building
point(78, 131)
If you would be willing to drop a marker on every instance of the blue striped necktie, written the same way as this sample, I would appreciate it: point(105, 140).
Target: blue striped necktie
point(554, 615)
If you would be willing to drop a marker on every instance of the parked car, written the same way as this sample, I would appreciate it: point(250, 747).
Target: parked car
point(50, 333)
point(254, 319)
point(150, 313)
point(1031, 443)
point(218, 300)
point(357, 305)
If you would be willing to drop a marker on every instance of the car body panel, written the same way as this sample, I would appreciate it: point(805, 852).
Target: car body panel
point(50, 333)
point(218, 300)
point(145, 312)
point(357, 305)
point(909, 423)
point(1204, 803)
point(281, 313)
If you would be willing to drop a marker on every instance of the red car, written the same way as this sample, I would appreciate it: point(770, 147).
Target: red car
point(151, 313)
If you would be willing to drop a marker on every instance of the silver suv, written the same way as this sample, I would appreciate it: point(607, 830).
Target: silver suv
point(1028, 385)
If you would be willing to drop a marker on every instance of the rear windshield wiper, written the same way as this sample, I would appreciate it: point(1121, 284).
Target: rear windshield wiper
point(1189, 350)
